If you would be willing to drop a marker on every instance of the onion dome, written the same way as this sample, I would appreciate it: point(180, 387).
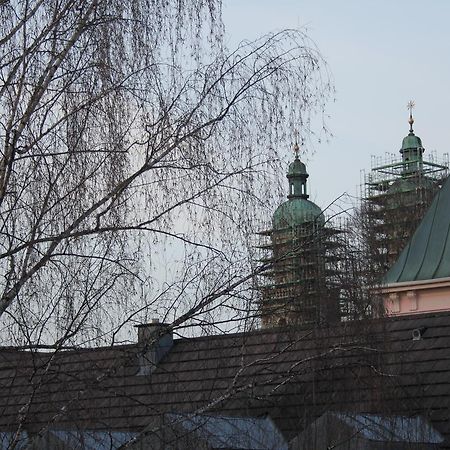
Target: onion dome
point(296, 212)
point(411, 142)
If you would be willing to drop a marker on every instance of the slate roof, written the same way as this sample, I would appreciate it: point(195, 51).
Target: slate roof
point(293, 376)
point(391, 429)
point(243, 433)
point(427, 255)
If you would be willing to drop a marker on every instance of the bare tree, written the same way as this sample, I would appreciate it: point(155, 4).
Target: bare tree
point(137, 157)
point(128, 132)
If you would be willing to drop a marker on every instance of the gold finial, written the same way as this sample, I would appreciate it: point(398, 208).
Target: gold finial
point(296, 146)
point(296, 149)
point(410, 106)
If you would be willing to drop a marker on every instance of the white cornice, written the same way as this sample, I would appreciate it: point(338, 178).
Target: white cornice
point(415, 285)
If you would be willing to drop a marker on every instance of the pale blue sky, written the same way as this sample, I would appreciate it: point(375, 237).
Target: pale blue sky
point(382, 54)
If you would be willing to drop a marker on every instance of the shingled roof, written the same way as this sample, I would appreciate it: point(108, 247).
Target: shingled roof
point(291, 375)
point(427, 255)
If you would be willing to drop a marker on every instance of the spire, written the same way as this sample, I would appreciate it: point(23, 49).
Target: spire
point(296, 149)
point(296, 146)
point(411, 106)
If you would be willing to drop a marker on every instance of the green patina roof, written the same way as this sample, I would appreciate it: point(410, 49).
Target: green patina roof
point(297, 168)
point(296, 211)
point(427, 255)
point(411, 141)
point(403, 185)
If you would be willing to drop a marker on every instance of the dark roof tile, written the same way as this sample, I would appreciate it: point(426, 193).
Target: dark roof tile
point(292, 375)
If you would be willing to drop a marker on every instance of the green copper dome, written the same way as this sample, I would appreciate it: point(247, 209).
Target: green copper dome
point(296, 168)
point(295, 212)
point(403, 185)
point(411, 141)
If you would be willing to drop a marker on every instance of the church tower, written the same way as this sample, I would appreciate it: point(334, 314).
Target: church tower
point(397, 195)
point(295, 291)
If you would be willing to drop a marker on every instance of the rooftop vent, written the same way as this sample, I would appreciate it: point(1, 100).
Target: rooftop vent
point(417, 333)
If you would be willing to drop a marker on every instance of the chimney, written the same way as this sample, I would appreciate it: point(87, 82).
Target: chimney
point(153, 344)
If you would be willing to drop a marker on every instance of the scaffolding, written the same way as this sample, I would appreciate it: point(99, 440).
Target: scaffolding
point(395, 196)
point(305, 276)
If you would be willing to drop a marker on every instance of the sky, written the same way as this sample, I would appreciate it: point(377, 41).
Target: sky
point(381, 54)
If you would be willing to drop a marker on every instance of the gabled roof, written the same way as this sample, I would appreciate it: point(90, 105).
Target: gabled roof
point(291, 375)
point(427, 255)
point(369, 432)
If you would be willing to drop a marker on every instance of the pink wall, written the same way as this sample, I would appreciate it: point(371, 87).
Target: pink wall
point(417, 297)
